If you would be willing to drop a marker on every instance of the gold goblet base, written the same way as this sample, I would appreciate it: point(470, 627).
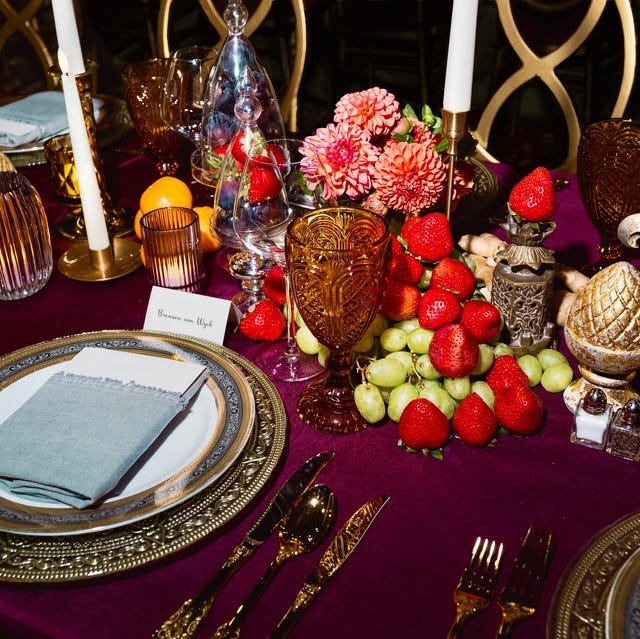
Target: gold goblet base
point(71, 226)
point(328, 405)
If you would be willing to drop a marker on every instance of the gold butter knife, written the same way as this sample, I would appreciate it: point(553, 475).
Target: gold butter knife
point(342, 545)
point(185, 622)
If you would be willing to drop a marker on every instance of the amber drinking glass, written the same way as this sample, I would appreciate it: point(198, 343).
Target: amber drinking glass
point(608, 165)
point(336, 258)
point(144, 83)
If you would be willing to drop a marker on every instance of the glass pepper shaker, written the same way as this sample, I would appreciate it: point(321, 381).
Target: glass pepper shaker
point(591, 420)
point(624, 434)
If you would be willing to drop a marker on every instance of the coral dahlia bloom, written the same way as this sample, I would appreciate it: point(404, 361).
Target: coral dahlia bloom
point(409, 177)
point(341, 158)
point(375, 110)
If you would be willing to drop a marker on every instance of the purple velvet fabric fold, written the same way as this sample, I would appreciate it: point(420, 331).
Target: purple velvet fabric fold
point(400, 580)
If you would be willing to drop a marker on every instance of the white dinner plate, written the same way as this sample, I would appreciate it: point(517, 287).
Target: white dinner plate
point(200, 445)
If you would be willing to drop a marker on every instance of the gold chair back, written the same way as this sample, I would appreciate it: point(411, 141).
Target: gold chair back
point(22, 20)
point(294, 71)
point(543, 68)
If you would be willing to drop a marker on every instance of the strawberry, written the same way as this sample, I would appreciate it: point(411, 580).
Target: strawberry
point(404, 267)
point(429, 238)
point(482, 319)
point(396, 247)
point(474, 422)
point(533, 198)
point(455, 276)
point(423, 425)
point(437, 308)
point(264, 321)
point(263, 185)
point(274, 285)
point(453, 350)
point(519, 409)
point(505, 372)
point(399, 300)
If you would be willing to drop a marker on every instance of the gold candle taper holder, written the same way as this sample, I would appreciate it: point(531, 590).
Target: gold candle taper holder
point(454, 127)
point(88, 265)
point(119, 219)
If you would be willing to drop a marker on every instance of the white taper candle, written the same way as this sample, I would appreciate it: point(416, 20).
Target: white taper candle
point(92, 209)
point(462, 41)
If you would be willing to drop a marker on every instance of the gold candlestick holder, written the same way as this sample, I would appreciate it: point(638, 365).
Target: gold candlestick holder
point(119, 219)
point(454, 127)
point(84, 264)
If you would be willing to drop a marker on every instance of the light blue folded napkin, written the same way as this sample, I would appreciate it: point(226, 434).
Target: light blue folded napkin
point(35, 118)
point(75, 438)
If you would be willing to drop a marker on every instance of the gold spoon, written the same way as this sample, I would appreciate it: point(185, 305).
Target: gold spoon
point(304, 529)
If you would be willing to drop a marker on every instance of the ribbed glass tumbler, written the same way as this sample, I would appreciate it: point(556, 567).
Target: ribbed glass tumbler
point(26, 258)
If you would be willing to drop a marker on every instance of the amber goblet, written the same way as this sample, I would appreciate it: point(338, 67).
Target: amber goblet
point(336, 259)
point(143, 84)
point(608, 165)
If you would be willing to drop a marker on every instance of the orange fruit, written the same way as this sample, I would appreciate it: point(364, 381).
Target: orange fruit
point(165, 191)
point(208, 238)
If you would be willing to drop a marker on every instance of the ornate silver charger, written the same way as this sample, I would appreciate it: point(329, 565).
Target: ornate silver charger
point(579, 606)
point(37, 559)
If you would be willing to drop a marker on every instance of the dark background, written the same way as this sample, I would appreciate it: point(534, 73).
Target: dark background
point(380, 43)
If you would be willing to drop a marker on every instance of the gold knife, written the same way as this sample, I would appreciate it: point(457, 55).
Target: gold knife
point(342, 545)
point(186, 621)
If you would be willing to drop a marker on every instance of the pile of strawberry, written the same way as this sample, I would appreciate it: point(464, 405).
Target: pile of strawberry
point(461, 320)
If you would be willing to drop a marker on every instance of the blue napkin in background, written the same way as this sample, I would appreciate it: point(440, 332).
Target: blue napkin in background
point(35, 118)
point(77, 435)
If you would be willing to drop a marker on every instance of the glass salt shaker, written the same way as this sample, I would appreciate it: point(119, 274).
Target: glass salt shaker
point(591, 420)
point(624, 434)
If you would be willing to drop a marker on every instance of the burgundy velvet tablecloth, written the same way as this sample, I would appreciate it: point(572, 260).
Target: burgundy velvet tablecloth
point(399, 582)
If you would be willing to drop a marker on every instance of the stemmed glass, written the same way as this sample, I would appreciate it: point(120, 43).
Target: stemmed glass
point(271, 194)
point(336, 258)
point(608, 164)
point(143, 84)
point(185, 90)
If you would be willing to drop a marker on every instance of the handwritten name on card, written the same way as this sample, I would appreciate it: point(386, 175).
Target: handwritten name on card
point(190, 314)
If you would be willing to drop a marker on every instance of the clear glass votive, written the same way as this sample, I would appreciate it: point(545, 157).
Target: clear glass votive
point(26, 258)
point(172, 252)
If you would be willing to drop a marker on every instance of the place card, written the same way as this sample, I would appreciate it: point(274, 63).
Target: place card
point(200, 316)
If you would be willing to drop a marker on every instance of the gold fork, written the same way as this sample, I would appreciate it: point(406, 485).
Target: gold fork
point(477, 583)
point(521, 593)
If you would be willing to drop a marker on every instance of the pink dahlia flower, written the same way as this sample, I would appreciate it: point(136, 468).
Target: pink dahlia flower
point(409, 177)
point(375, 110)
point(341, 158)
point(419, 131)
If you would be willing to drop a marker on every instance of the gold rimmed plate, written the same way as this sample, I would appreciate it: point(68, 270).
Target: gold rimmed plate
point(585, 599)
point(112, 123)
point(163, 528)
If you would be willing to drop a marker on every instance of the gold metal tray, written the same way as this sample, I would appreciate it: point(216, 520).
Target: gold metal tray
point(579, 606)
point(113, 124)
point(41, 559)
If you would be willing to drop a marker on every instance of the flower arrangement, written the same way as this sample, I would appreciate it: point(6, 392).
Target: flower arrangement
point(381, 157)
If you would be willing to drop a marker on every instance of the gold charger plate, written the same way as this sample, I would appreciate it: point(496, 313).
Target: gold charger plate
point(623, 606)
point(113, 124)
point(578, 609)
point(39, 559)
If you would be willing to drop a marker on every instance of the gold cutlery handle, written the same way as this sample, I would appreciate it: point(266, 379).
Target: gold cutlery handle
point(455, 632)
point(231, 629)
point(303, 600)
point(185, 622)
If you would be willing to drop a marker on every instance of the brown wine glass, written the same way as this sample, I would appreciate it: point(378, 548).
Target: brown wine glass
point(144, 83)
point(608, 165)
point(336, 259)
